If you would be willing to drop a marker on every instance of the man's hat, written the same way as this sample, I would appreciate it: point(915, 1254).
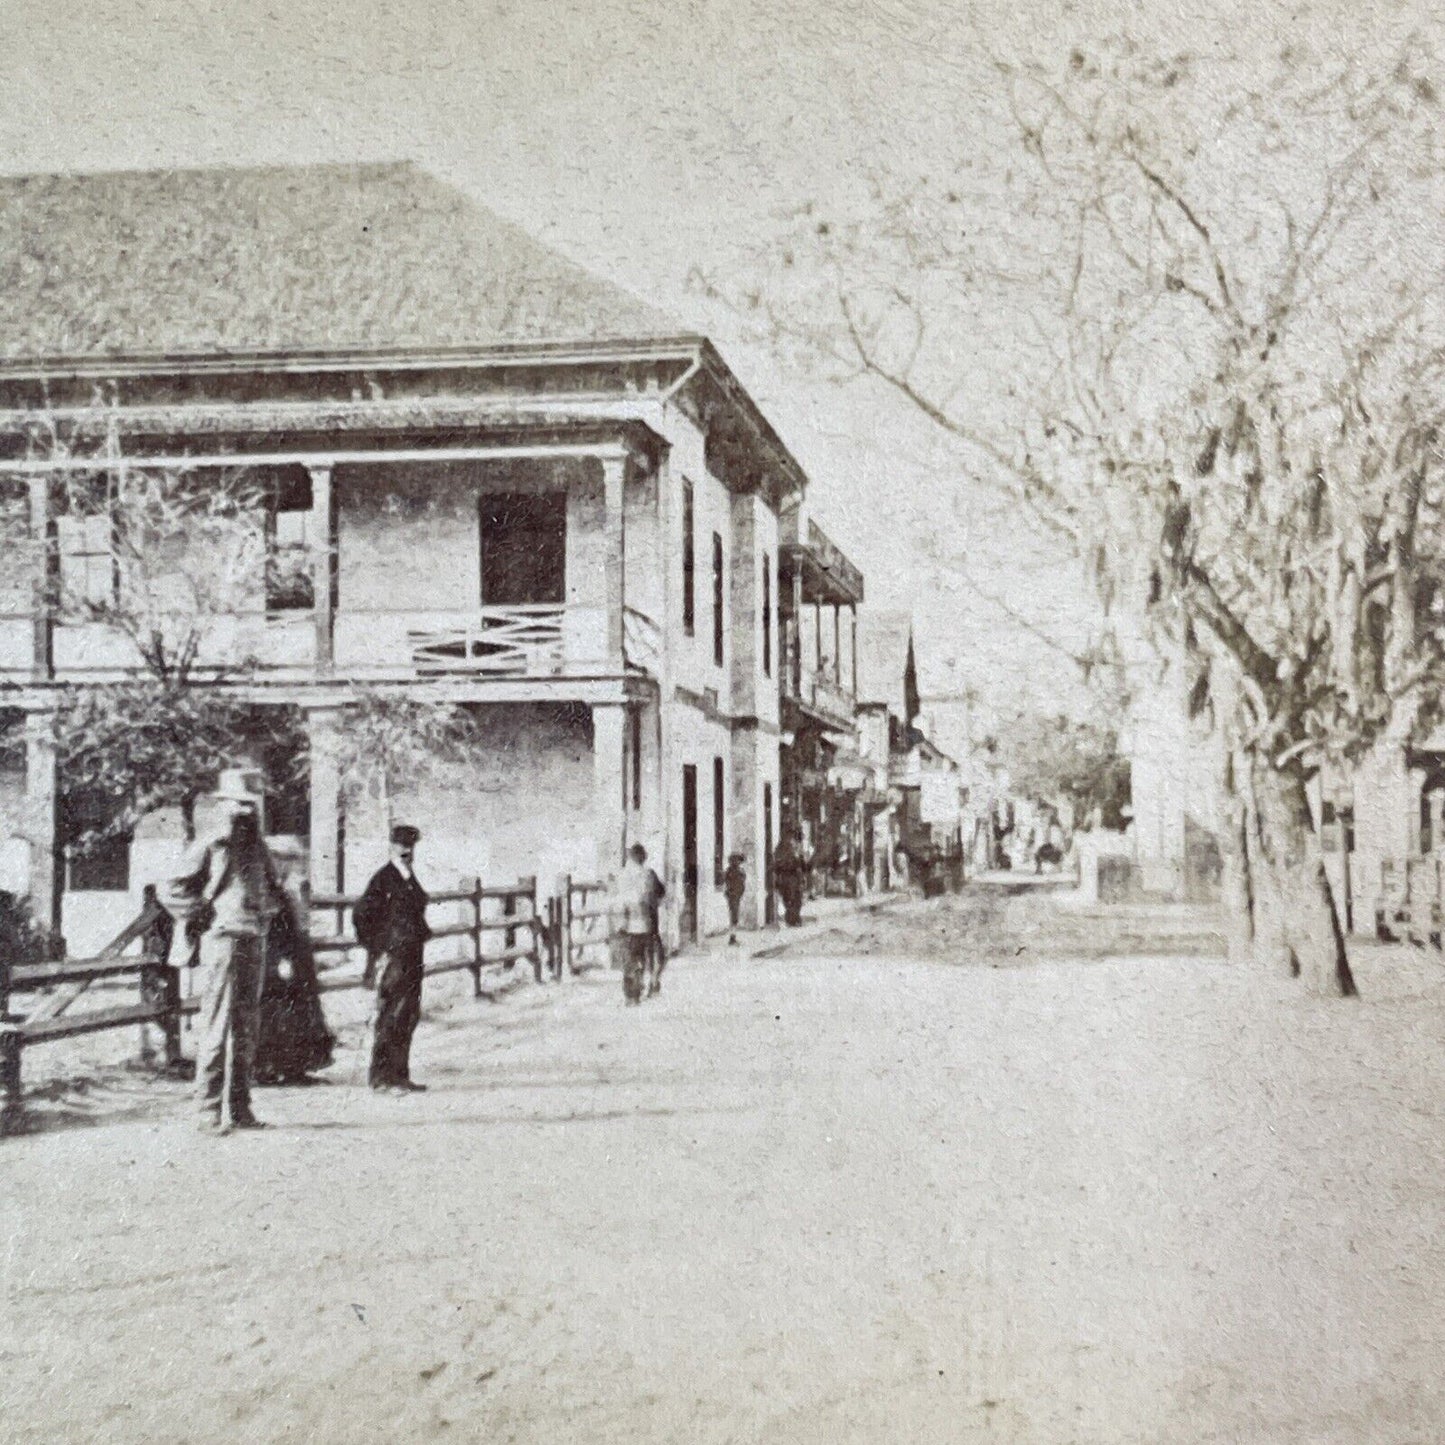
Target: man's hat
point(240, 785)
point(737, 857)
point(404, 835)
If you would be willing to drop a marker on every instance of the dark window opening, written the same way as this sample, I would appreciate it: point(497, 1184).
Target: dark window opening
point(689, 563)
point(717, 599)
point(289, 540)
point(767, 617)
point(719, 815)
point(97, 854)
point(523, 548)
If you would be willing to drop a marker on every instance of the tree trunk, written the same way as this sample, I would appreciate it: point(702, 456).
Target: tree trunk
point(1238, 890)
point(1271, 946)
point(188, 819)
point(1308, 918)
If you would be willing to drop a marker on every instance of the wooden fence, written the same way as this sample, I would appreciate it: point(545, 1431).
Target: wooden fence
point(558, 939)
point(1410, 906)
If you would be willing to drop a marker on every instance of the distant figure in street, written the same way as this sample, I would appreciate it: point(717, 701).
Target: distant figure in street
point(635, 905)
point(735, 884)
point(225, 893)
point(390, 920)
point(789, 870)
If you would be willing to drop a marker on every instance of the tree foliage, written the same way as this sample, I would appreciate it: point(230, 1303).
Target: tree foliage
point(1189, 321)
point(172, 565)
point(389, 742)
point(1057, 759)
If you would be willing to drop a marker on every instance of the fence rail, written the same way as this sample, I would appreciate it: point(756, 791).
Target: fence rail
point(552, 939)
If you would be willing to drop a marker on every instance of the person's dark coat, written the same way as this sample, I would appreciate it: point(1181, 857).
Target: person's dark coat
point(391, 914)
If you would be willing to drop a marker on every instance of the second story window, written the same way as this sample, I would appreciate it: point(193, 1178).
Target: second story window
point(689, 563)
point(89, 569)
point(767, 618)
point(717, 599)
point(289, 542)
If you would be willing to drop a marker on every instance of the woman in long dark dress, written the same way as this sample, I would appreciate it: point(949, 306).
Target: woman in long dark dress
point(294, 1040)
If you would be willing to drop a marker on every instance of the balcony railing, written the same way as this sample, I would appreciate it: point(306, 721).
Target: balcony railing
point(525, 641)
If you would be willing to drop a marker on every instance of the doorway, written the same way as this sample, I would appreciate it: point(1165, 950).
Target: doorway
point(766, 882)
point(689, 854)
point(523, 539)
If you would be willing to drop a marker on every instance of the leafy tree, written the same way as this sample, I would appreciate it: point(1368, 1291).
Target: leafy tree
point(174, 560)
point(1187, 318)
point(1060, 759)
point(391, 742)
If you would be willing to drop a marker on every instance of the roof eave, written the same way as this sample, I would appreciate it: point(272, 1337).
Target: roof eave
point(684, 346)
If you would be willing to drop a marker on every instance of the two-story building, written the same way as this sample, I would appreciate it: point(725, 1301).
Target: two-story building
point(518, 490)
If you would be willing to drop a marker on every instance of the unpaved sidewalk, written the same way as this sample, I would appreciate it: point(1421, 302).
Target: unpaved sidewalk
point(815, 1199)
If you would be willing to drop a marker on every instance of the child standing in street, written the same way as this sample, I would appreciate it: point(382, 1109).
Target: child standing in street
point(735, 884)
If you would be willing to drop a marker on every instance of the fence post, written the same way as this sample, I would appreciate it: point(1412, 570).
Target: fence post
point(509, 938)
point(527, 889)
point(12, 1041)
point(554, 941)
point(475, 968)
point(564, 918)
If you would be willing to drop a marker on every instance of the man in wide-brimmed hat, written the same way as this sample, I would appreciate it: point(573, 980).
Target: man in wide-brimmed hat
point(390, 921)
point(225, 893)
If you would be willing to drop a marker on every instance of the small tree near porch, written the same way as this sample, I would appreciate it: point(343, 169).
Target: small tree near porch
point(389, 742)
point(165, 562)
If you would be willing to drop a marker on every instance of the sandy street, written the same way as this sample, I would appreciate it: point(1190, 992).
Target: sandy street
point(831, 1198)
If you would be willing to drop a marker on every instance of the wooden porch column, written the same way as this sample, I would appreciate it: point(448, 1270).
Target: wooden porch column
point(45, 578)
point(323, 564)
point(853, 644)
point(323, 727)
point(837, 645)
point(795, 661)
point(609, 779)
point(42, 789)
point(614, 476)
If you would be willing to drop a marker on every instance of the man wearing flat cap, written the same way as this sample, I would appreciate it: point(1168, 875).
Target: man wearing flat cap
point(391, 925)
point(225, 893)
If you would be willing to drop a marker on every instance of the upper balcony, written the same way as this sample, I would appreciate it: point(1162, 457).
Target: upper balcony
point(529, 573)
point(813, 569)
point(819, 591)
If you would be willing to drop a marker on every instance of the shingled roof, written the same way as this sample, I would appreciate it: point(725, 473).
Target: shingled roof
point(283, 258)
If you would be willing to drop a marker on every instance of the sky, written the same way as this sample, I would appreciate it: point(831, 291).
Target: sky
point(648, 141)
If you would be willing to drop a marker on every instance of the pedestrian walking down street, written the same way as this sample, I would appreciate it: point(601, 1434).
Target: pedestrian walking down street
point(224, 896)
point(635, 903)
point(390, 919)
point(735, 884)
point(789, 870)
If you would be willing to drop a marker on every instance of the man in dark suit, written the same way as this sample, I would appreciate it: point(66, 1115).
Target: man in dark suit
point(391, 925)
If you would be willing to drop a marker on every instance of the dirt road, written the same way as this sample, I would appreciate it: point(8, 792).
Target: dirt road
point(834, 1199)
